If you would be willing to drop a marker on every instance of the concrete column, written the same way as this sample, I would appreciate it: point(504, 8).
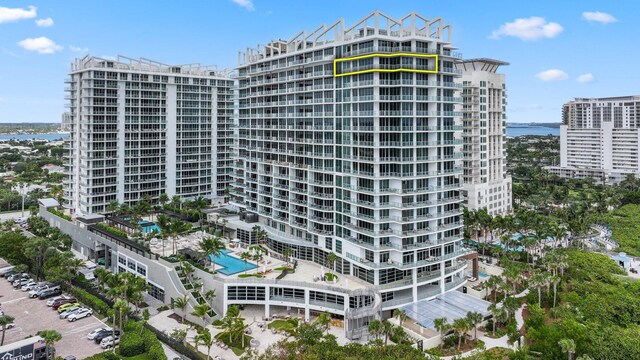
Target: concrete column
point(414, 276)
point(307, 314)
point(267, 307)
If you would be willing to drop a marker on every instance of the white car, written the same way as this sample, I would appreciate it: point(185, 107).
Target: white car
point(35, 292)
point(52, 300)
point(69, 311)
point(80, 314)
point(29, 286)
point(109, 341)
point(92, 335)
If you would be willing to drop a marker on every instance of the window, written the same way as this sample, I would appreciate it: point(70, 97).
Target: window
point(339, 246)
point(328, 243)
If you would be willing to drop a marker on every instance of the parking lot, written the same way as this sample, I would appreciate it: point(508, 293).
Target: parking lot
point(33, 315)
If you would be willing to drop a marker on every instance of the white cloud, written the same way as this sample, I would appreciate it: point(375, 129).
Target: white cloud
point(42, 45)
point(585, 78)
point(598, 16)
point(532, 28)
point(552, 75)
point(44, 22)
point(15, 14)
point(247, 4)
point(78, 49)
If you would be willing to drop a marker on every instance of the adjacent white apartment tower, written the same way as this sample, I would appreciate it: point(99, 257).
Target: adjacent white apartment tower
point(599, 138)
point(141, 128)
point(350, 142)
point(486, 183)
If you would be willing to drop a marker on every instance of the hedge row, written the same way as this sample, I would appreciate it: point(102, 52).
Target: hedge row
point(91, 301)
point(113, 230)
point(132, 343)
point(59, 214)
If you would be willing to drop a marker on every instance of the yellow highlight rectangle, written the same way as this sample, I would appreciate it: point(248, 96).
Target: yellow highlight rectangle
point(335, 61)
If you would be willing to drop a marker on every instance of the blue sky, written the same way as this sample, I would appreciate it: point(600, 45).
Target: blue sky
point(551, 45)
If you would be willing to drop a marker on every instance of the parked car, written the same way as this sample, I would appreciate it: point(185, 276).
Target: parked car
point(29, 286)
point(103, 334)
point(8, 274)
point(69, 311)
point(17, 276)
point(34, 293)
point(18, 283)
point(6, 270)
point(70, 357)
point(92, 335)
point(109, 341)
point(50, 302)
point(64, 307)
point(57, 304)
point(49, 293)
point(80, 314)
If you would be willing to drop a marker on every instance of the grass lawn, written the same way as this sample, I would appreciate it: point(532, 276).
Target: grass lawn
point(138, 357)
point(284, 325)
point(236, 347)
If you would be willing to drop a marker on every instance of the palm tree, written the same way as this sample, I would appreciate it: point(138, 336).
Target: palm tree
point(261, 235)
point(201, 312)
point(113, 206)
point(474, 318)
point(498, 315)
point(568, 347)
point(554, 280)
point(245, 256)
point(199, 204)
point(287, 252)
point(163, 198)
point(176, 202)
point(375, 328)
point(4, 321)
point(331, 261)
point(387, 330)
point(324, 320)
point(73, 265)
point(50, 337)
point(238, 329)
point(400, 314)
point(460, 327)
point(212, 246)
point(204, 337)
point(493, 283)
point(181, 303)
point(442, 326)
point(538, 280)
point(178, 227)
point(164, 223)
point(209, 296)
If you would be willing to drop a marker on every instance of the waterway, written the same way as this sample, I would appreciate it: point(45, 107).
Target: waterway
point(524, 129)
point(49, 137)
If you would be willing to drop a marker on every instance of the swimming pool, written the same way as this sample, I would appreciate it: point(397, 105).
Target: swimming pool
point(148, 227)
point(230, 264)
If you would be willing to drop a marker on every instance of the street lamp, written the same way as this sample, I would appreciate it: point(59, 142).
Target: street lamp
point(22, 189)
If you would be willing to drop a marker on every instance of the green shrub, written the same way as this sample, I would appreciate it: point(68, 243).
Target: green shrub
point(59, 213)
point(112, 230)
point(242, 276)
point(330, 276)
point(91, 301)
point(156, 352)
point(131, 344)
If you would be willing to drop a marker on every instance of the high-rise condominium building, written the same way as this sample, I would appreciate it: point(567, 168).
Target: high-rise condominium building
point(599, 138)
point(486, 183)
point(350, 142)
point(140, 128)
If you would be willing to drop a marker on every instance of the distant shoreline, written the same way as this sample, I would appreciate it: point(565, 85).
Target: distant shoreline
point(526, 125)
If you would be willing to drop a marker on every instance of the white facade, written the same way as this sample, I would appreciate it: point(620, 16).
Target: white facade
point(599, 138)
point(360, 156)
point(486, 183)
point(140, 128)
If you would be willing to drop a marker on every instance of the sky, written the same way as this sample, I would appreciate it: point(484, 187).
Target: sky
point(557, 50)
